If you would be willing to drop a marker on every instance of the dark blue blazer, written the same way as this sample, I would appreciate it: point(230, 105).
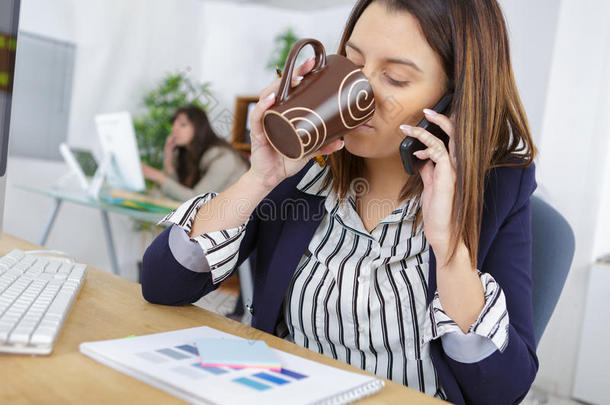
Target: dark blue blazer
point(280, 230)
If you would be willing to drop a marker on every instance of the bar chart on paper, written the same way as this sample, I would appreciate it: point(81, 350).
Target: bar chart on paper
point(170, 361)
point(183, 360)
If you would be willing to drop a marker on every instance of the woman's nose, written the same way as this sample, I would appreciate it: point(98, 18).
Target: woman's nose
point(366, 70)
point(371, 76)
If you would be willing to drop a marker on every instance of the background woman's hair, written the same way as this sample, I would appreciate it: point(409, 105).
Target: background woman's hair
point(491, 127)
point(188, 157)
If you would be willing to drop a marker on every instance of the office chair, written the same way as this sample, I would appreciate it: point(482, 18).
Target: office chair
point(553, 250)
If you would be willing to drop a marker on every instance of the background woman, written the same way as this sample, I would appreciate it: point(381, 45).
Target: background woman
point(195, 159)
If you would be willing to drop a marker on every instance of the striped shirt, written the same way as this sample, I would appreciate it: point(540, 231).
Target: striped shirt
point(360, 296)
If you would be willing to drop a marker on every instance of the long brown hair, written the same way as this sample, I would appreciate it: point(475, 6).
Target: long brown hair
point(188, 157)
point(491, 127)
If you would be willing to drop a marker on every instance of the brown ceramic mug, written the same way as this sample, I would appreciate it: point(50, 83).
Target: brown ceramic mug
point(333, 98)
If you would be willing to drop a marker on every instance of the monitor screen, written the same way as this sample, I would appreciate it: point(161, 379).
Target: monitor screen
point(9, 21)
point(9, 18)
point(85, 160)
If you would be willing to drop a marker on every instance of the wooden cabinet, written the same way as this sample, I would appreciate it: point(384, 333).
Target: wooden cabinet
point(240, 139)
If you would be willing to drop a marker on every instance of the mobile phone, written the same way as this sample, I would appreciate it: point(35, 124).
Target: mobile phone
point(409, 145)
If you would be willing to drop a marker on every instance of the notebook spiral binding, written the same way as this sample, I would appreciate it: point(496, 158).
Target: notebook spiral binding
point(353, 395)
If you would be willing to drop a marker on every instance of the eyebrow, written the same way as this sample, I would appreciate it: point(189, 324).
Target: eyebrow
point(401, 61)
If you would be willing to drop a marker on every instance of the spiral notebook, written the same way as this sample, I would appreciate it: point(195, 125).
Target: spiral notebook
point(170, 361)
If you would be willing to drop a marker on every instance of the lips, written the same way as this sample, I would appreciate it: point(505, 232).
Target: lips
point(364, 128)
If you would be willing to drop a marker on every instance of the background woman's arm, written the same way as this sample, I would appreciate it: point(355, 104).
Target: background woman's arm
point(222, 168)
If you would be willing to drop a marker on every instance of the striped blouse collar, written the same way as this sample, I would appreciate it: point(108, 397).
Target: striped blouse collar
point(313, 182)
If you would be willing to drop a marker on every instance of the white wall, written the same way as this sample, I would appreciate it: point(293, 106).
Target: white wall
point(532, 27)
point(573, 168)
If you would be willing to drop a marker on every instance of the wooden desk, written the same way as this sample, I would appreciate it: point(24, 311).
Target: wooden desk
point(110, 307)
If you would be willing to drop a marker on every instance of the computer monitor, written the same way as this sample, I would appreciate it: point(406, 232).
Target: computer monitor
point(118, 140)
point(9, 23)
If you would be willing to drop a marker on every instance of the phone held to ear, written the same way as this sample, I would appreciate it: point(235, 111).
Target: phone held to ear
point(410, 144)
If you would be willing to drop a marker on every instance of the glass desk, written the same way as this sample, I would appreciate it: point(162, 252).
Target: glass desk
point(59, 195)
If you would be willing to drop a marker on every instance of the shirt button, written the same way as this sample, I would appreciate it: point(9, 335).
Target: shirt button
point(370, 369)
point(361, 329)
point(361, 279)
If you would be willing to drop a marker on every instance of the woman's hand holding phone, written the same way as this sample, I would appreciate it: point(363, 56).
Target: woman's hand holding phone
point(438, 174)
point(410, 145)
point(268, 167)
point(168, 154)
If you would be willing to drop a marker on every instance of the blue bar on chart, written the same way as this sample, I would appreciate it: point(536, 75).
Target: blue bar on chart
point(189, 372)
point(213, 370)
point(189, 349)
point(271, 378)
point(251, 383)
point(173, 354)
point(154, 358)
point(290, 373)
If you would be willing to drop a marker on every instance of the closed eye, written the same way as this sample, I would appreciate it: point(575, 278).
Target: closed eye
point(393, 82)
point(396, 82)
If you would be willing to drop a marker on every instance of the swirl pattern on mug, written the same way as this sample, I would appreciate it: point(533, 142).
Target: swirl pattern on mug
point(356, 99)
point(306, 123)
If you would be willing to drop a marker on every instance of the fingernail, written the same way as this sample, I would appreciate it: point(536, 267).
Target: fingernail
point(405, 128)
point(270, 97)
point(298, 78)
point(429, 112)
point(310, 59)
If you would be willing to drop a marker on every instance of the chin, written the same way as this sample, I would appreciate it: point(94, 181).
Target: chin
point(366, 145)
point(352, 144)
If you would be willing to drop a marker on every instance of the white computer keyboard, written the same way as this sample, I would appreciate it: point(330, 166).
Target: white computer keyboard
point(36, 294)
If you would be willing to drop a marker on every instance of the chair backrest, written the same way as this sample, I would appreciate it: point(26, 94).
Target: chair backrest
point(553, 250)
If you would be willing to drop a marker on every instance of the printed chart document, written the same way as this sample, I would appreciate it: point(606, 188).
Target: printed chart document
point(170, 361)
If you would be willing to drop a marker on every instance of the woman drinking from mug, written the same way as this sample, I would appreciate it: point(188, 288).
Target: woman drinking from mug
point(195, 159)
point(424, 279)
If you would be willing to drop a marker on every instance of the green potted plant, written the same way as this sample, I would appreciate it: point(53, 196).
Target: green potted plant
point(283, 43)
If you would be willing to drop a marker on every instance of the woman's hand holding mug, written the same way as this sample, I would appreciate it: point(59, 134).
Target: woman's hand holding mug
point(268, 167)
